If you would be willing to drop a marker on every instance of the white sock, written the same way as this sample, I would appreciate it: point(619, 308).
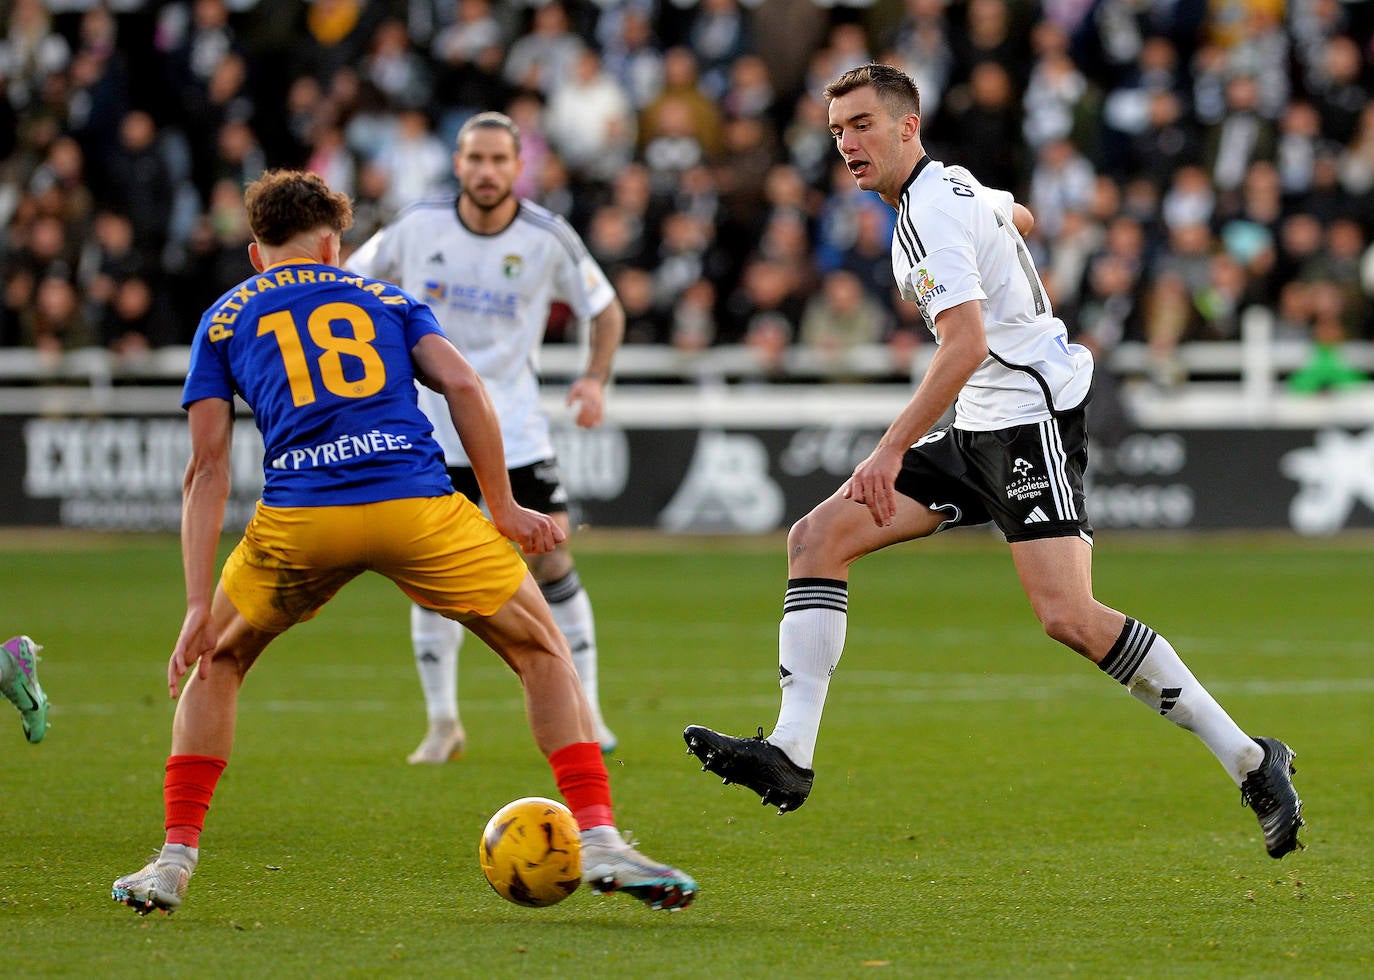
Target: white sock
point(810, 641)
point(572, 611)
point(1147, 665)
point(436, 639)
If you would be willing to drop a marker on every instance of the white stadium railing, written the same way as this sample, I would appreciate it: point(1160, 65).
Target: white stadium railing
point(1230, 383)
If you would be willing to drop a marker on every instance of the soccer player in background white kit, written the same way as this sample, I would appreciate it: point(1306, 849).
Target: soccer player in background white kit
point(490, 265)
point(1015, 454)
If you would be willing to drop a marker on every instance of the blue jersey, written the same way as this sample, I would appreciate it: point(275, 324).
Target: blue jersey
point(322, 357)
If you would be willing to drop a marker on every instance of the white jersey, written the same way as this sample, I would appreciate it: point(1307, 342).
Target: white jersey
point(954, 241)
point(491, 294)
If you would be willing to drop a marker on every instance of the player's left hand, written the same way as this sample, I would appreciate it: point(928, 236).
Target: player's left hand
point(196, 643)
point(873, 484)
point(587, 397)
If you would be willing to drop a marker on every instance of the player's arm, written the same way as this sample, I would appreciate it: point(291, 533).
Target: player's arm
point(372, 258)
point(442, 368)
point(205, 491)
point(588, 392)
point(1022, 219)
point(963, 346)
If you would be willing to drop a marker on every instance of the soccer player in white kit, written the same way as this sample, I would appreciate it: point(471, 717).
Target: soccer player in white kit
point(490, 265)
point(1015, 454)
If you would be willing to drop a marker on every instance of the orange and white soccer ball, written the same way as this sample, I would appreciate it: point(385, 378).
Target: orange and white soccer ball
point(531, 853)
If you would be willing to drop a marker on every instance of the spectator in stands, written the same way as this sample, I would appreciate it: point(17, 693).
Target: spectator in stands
point(1327, 368)
point(1357, 160)
point(983, 121)
point(991, 35)
point(1300, 241)
point(1187, 254)
point(590, 121)
point(1338, 262)
point(749, 93)
point(526, 110)
point(632, 54)
point(920, 45)
point(331, 158)
point(693, 124)
point(807, 140)
point(840, 318)
point(742, 173)
point(1220, 301)
point(615, 237)
point(719, 37)
point(645, 323)
point(99, 89)
point(1242, 136)
point(1340, 88)
point(473, 31)
point(335, 36)
point(699, 194)
point(768, 337)
point(1326, 198)
point(370, 209)
point(141, 183)
point(31, 52)
point(1296, 153)
point(393, 69)
point(554, 188)
point(468, 56)
point(238, 154)
point(107, 259)
point(217, 257)
point(693, 326)
point(414, 161)
point(1059, 104)
point(134, 322)
point(543, 58)
point(767, 291)
point(1190, 199)
point(193, 51)
point(59, 188)
point(683, 255)
point(1061, 181)
point(56, 323)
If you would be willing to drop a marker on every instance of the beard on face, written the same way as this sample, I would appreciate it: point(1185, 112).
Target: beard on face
point(487, 202)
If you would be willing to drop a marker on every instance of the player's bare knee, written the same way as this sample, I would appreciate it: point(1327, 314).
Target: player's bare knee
point(1069, 629)
point(550, 567)
point(808, 534)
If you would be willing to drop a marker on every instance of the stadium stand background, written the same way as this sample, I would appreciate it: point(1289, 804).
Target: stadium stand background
point(1200, 170)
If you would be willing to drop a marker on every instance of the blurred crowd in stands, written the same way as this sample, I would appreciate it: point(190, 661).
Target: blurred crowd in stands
point(1184, 158)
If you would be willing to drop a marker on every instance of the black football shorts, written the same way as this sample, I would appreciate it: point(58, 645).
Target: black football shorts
point(537, 486)
point(1027, 478)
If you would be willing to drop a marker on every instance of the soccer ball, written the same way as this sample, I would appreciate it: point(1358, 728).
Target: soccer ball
point(530, 852)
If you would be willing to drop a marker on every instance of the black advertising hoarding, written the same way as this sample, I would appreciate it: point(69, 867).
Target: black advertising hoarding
point(124, 473)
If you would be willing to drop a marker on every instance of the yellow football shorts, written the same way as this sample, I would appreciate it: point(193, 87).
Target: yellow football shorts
point(441, 551)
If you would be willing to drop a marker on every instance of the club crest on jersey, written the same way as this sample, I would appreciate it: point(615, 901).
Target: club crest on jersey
point(926, 287)
point(512, 266)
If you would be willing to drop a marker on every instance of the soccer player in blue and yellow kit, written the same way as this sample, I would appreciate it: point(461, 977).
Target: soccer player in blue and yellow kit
point(328, 362)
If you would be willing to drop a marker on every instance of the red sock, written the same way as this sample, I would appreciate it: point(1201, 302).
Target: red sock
point(186, 790)
point(581, 776)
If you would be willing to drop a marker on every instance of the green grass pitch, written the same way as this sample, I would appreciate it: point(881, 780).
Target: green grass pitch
point(986, 804)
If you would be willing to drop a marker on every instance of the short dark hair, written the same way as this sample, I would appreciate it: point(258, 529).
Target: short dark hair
point(282, 204)
point(490, 120)
point(895, 88)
